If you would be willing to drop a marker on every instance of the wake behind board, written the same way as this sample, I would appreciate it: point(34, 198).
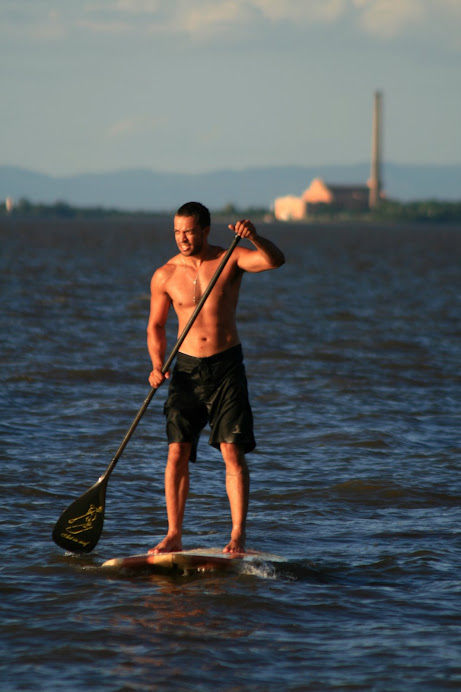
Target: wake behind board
point(190, 561)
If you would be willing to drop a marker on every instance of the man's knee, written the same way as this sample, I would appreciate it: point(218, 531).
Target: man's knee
point(179, 453)
point(234, 458)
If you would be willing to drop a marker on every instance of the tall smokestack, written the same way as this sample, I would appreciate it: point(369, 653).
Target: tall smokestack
point(375, 182)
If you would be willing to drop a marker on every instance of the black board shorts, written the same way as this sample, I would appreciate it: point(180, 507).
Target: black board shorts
point(210, 390)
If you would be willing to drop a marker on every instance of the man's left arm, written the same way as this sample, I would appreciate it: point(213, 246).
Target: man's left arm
point(266, 256)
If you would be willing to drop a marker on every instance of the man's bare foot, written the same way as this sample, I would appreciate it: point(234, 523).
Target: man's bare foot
point(236, 544)
point(168, 545)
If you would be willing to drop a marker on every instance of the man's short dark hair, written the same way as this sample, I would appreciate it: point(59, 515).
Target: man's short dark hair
point(196, 209)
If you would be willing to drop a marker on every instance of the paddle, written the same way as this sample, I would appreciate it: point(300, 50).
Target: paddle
point(80, 525)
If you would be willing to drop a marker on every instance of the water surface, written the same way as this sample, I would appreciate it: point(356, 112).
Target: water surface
point(353, 357)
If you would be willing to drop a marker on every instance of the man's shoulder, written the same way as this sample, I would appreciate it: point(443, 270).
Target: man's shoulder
point(166, 270)
point(216, 252)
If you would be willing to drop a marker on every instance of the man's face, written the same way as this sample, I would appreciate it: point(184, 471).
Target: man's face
point(189, 236)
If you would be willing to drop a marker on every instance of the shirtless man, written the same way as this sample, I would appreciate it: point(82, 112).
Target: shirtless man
point(208, 382)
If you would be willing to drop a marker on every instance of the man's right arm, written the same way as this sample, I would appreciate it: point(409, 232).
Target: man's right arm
point(156, 333)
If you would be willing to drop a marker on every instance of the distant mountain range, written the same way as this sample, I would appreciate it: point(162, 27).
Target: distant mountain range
point(146, 190)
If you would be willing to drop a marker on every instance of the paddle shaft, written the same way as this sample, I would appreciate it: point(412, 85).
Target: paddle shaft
point(171, 357)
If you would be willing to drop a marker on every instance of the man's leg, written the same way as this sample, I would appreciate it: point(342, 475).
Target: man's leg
point(238, 489)
point(176, 491)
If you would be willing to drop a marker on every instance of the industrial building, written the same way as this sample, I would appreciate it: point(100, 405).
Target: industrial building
point(348, 197)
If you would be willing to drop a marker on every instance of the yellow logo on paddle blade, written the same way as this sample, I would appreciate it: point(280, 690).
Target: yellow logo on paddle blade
point(84, 522)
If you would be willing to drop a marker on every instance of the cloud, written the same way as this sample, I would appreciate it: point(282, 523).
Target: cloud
point(235, 20)
point(305, 11)
point(453, 6)
point(140, 6)
point(122, 127)
point(50, 27)
point(211, 19)
point(126, 7)
point(104, 27)
point(39, 22)
point(133, 125)
point(388, 18)
point(210, 136)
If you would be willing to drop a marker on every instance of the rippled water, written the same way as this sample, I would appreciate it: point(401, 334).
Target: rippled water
point(353, 357)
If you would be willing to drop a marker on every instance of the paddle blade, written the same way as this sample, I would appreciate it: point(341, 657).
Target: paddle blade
point(80, 525)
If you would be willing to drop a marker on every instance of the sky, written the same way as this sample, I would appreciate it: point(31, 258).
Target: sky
point(201, 85)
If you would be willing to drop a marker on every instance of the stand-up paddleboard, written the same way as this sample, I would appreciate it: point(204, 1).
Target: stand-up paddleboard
point(190, 561)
